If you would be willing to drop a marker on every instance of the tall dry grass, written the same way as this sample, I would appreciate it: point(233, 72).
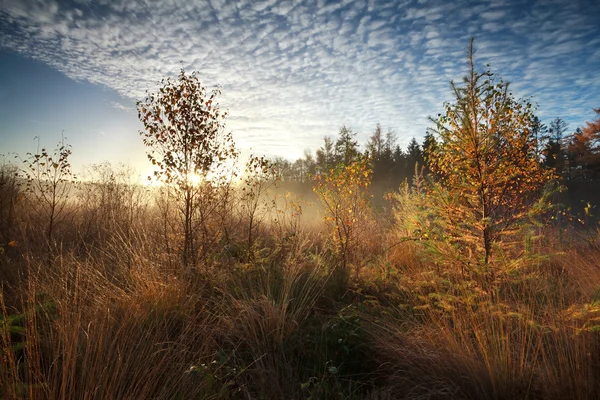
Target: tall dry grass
point(538, 338)
point(84, 335)
point(115, 316)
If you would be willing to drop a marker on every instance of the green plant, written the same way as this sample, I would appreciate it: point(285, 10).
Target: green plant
point(15, 342)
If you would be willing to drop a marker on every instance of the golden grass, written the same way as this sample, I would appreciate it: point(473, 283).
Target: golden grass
point(116, 317)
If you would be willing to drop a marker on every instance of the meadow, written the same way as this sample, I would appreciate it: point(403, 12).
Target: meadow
point(106, 310)
point(327, 278)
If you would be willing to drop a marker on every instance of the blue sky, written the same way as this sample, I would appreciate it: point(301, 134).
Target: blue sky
point(291, 71)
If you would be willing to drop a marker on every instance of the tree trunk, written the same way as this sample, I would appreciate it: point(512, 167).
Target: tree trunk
point(188, 245)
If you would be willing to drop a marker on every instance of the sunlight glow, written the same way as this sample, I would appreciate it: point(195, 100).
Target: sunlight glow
point(227, 172)
point(148, 179)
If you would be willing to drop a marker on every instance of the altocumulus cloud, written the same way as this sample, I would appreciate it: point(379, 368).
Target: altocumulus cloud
point(294, 71)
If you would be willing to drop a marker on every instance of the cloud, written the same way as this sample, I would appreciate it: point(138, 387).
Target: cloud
point(495, 15)
point(119, 106)
point(294, 71)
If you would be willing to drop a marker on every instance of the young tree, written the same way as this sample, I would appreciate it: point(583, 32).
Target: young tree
point(184, 131)
point(260, 176)
point(486, 164)
point(343, 191)
point(49, 180)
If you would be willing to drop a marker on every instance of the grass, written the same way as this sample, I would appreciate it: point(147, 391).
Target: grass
point(114, 316)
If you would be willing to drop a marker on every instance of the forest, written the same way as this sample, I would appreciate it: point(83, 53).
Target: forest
point(463, 267)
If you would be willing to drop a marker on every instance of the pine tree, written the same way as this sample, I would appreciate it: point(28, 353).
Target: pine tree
point(325, 155)
point(554, 154)
point(346, 147)
point(489, 177)
point(429, 149)
point(414, 157)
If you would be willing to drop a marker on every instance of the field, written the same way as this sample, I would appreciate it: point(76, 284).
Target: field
point(454, 270)
point(272, 307)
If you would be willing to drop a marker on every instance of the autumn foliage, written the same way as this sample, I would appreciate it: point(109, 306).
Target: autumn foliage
point(584, 150)
point(488, 177)
point(213, 286)
point(343, 191)
point(185, 136)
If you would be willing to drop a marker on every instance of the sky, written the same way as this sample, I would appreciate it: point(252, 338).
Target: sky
point(291, 72)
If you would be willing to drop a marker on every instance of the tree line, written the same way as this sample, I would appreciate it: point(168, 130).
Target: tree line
point(574, 156)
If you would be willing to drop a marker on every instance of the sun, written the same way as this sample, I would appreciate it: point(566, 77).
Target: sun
point(225, 172)
point(195, 179)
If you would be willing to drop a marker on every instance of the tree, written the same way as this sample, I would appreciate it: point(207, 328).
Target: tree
point(554, 154)
point(557, 129)
point(537, 135)
point(429, 149)
point(376, 144)
point(325, 155)
point(310, 164)
point(283, 168)
point(390, 144)
point(346, 147)
point(414, 156)
point(584, 150)
point(49, 180)
point(593, 128)
point(387, 162)
point(259, 177)
point(184, 131)
point(343, 191)
point(392, 162)
point(486, 166)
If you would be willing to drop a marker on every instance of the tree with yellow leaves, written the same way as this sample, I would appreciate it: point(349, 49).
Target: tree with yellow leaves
point(489, 178)
point(343, 191)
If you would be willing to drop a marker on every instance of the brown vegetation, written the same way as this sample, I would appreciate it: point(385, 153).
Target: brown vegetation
point(212, 289)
